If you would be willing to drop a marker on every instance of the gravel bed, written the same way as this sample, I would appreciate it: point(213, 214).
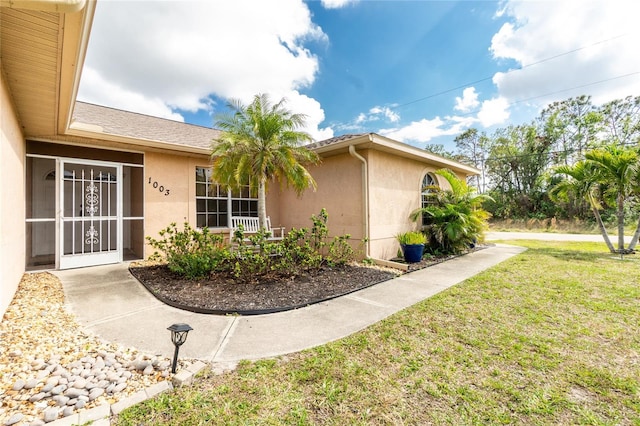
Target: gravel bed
point(50, 367)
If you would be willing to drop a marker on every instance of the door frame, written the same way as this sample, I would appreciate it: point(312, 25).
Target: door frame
point(78, 260)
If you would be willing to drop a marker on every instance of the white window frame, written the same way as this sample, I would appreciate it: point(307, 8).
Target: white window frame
point(429, 179)
point(220, 195)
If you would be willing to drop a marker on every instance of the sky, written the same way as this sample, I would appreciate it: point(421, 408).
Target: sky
point(420, 72)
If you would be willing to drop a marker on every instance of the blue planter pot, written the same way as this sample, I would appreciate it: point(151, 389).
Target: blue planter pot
point(413, 252)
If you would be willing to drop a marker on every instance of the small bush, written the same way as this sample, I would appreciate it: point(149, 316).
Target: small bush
point(190, 252)
point(301, 250)
point(195, 254)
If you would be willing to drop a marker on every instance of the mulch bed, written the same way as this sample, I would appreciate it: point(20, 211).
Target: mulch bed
point(221, 294)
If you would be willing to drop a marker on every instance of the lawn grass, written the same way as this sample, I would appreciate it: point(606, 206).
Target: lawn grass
point(551, 336)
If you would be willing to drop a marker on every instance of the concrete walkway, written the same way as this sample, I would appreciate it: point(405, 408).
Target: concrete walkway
point(108, 301)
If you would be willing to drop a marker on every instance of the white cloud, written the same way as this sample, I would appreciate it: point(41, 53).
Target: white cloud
point(101, 91)
point(494, 111)
point(603, 34)
point(424, 130)
point(376, 113)
point(303, 104)
point(386, 112)
point(468, 101)
point(152, 57)
point(336, 4)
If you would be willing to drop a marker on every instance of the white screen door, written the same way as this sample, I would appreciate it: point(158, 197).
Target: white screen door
point(91, 213)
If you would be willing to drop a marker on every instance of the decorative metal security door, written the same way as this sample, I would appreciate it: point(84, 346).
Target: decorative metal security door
point(91, 214)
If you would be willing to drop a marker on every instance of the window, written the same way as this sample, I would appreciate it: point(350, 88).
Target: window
point(213, 204)
point(428, 181)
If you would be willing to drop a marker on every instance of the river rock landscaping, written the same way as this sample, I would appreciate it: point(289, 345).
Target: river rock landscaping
point(50, 367)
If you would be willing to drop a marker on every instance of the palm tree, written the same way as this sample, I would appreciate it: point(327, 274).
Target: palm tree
point(615, 168)
point(454, 219)
point(258, 143)
point(636, 191)
point(610, 174)
point(581, 184)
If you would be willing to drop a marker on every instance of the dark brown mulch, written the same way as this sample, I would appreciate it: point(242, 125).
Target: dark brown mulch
point(220, 294)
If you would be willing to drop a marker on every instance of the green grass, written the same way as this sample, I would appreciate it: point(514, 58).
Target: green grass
point(551, 336)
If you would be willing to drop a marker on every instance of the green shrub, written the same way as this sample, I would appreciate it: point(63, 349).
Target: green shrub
point(301, 250)
point(253, 256)
point(411, 238)
point(454, 220)
point(195, 254)
point(190, 252)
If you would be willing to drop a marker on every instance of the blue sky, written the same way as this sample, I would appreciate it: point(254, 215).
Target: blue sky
point(417, 71)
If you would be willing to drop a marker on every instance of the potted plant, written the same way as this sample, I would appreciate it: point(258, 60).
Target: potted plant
point(412, 243)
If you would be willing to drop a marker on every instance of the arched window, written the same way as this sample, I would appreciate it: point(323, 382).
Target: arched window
point(428, 181)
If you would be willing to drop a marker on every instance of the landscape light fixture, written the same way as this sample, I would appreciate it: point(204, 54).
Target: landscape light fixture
point(178, 337)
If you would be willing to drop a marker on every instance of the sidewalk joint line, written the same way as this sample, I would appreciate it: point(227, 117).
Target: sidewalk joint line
point(123, 315)
point(366, 301)
point(225, 339)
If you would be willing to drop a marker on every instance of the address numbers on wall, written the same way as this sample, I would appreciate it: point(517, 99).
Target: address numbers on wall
point(161, 188)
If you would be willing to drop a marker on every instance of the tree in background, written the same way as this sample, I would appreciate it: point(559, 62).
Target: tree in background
point(261, 142)
point(518, 161)
point(581, 183)
point(473, 149)
point(516, 167)
point(622, 120)
point(439, 149)
point(612, 175)
point(571, 126)
point(616, 170)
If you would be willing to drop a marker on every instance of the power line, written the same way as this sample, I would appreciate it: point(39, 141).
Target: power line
point(510, 71)
point(547, 154)
point(559, 91)
point(576, 87)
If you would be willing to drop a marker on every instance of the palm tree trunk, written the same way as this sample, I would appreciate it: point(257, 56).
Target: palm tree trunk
point(636, 236)
point(603, 230)
point(620, 223)
point(262, 202)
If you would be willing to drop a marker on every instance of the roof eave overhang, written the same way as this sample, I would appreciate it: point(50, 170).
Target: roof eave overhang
point(381, 143)
point(76, 39)
point(78, 130)
point(56, 6)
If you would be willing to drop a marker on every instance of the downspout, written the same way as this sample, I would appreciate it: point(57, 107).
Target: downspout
point(365, 194)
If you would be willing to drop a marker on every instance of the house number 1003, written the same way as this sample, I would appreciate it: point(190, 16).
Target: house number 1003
point(159, 187)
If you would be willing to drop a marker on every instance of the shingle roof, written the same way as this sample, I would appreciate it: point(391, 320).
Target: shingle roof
point(109, 121)
point(334, 140)
point(133, 125)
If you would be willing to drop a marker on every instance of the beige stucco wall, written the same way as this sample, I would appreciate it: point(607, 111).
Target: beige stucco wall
point(12, 200)
point(339, 180)
point(174, 174)
point(394, 192)
point(395, 184)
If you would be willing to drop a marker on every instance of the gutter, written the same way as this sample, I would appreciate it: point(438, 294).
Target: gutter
point(365, 192)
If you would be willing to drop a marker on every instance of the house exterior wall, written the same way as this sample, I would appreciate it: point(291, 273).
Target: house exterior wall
point(339, 191)
point(12, 199)
point(394, 192)
point(177, 174)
